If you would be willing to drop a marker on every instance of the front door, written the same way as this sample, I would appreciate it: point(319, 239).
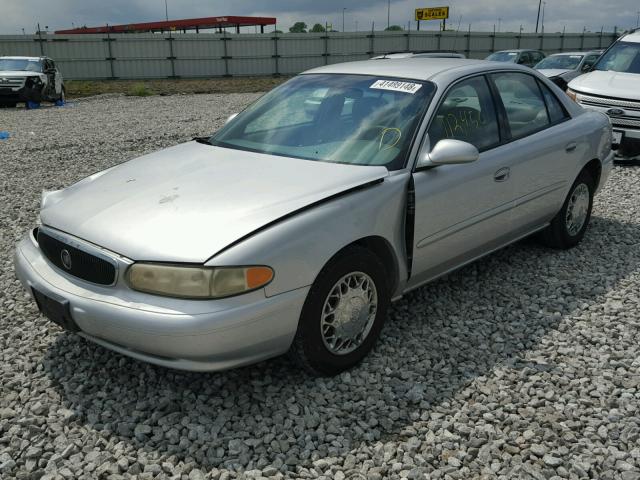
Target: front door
point(462, 211)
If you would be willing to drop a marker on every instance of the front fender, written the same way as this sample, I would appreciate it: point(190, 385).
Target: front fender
point(297, 247)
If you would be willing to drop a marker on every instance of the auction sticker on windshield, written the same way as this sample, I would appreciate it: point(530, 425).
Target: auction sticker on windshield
point(406, 87)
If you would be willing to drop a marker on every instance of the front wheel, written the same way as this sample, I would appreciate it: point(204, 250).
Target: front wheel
point(61, 98)
point(568, 227)
point(343, 314)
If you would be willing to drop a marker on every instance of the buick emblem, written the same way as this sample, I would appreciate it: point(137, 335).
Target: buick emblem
point(65, 257)
point(615, 112)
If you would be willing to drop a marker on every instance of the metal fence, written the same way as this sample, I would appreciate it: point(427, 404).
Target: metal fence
point(131, 56)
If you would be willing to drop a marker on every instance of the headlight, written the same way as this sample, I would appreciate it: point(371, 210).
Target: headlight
point(197, 282)
point(572, 95)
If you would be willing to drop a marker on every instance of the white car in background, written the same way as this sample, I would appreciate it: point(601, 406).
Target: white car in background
point(30, 80)
point(613, 87)
point(561, 68)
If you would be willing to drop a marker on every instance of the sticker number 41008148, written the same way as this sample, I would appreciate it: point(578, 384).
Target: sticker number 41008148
point(406, 87)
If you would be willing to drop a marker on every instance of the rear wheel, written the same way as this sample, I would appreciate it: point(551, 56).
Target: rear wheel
point(568, 227)
point(343, 313)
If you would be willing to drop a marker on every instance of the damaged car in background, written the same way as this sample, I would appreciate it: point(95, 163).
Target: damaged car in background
point(30, 80)
point(292, 229)
point(561, 68)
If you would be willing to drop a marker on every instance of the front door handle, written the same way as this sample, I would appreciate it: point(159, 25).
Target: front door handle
point(502, 174)
point(570, 147)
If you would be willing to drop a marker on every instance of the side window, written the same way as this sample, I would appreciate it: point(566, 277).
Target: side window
point(557, 113)
point(523, 102)
point(537, 57)
point(467, 113)
point(525, 58)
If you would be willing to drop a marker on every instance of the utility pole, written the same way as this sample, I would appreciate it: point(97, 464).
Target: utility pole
point(388, 13)
point(343, 10)
point(544, 4)
point(166, 11)
point(538, 18)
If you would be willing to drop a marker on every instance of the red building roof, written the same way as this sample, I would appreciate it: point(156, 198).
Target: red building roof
point(185, 24)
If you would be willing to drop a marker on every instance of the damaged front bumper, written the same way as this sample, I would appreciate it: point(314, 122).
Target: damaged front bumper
point(29, 92)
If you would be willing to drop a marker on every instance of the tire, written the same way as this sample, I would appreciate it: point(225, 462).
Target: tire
point(566, 230)
point(315, 352)
point(61, 98)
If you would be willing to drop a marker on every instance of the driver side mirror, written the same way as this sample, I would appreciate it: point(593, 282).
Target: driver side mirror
point(449, 152)
point(230, 117)
point(586, 68)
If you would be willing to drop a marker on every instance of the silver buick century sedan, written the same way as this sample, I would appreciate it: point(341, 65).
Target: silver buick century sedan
point(293, 227)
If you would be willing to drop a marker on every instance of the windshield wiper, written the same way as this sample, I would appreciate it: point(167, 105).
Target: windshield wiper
point(204, 140)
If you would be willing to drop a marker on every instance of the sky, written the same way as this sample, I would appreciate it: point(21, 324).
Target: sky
point(506, 15)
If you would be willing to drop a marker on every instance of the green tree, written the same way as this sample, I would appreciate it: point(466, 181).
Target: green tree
point(298, 27)
point(317, 28)
point(394, 28)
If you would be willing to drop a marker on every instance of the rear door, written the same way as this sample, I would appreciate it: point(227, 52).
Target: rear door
point(462, 211)
point(545, 145)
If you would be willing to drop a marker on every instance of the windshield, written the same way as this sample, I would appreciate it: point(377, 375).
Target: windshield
point(20, 64)
point(622, 57)
point(503, 57)
point(562, 62)
point(354, 119)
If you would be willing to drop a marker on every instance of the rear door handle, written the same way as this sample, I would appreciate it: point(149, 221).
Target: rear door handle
point(570, 147)
point(502, 174)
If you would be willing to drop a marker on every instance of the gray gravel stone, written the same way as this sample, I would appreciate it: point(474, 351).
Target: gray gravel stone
point(525, 364)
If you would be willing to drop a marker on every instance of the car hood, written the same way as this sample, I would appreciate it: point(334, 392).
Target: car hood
point(188, 202)
point(608, 84)
point(18, 73)
point(553, 72)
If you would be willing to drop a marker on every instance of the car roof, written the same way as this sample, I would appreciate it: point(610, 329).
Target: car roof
point(416, 68)
point(519, 50)
point(590, 52)
point(420, 53)
point(21, 58)
point(633, 36)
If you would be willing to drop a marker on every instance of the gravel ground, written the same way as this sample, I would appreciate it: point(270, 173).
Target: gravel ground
point(525, 364)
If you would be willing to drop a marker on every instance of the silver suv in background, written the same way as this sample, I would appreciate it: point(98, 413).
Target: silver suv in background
point(561, 68)
point(613, 87)
point(30, 80)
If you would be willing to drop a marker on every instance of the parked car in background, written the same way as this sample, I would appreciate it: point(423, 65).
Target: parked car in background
point(613, 87)
point(30, 80)
point(290, 230)
point(421, 54)
point(528, 58)
point(561, 68)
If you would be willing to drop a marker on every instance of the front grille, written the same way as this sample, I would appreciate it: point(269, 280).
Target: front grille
point(11, 82)
point(625, 122)
point(607, 102)
point(82, 264)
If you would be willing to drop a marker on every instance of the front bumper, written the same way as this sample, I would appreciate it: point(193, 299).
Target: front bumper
point(25, 93)
point(197, 335)
point(629, 148)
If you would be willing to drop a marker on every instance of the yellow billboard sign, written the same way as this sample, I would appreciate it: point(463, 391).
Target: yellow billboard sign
point(434, 13)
